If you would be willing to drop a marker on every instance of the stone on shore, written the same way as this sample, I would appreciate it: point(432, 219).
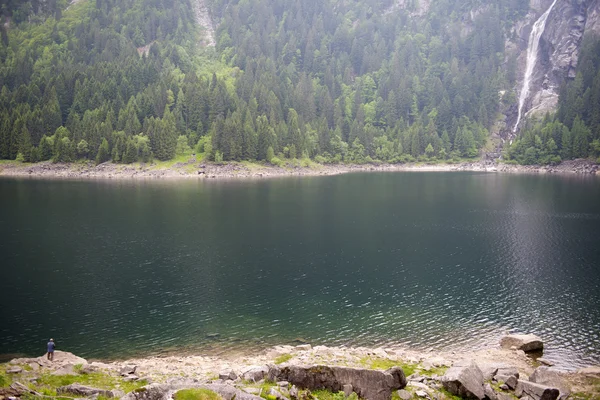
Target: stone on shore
point(526, 343)
point(166, 391)
point(255, 373)
point(14, 370)
point(404, 394)
point(546, 376)
point(489, 392)
point(536, 391)
point(228, 375)
point(465, 379)
point(368, 384)
point(81, 390)
point(491, 369)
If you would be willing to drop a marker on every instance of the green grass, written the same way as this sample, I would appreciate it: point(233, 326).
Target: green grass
point(439, 371)
point(328, 395)
point(386, 363)
point(5, 380)
point(47, 384)
point(447, 395)
point(197, 394)
point(283, 358)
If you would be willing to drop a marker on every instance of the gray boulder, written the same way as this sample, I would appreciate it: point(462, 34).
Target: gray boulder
point(278, 395)
point(491, 369)
point(536, 391)
point(255, 373)
point(404, 394)
point(464, 379)
point(81, 390)
point(522, 342)
point(67, 369)
point(548, 377)
point(14, 370)
point(510, 380)
point(166, 391)
point(128, 370)
point(489, 392)
point(368, 384)
point(228, 375)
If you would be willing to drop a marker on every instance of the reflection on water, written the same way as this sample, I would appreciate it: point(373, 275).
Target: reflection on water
point(427, 260)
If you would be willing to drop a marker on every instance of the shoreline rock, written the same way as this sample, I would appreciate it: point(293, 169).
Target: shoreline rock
point(244, 170)
point(346, 369)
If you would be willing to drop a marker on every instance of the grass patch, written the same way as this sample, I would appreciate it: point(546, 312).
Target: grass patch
point(449, 396)
point(197, 394)
point(5, 380)
point(386, 363)
point(47, 384)
point(439, 371)
point(283, 358)
point(328, 395)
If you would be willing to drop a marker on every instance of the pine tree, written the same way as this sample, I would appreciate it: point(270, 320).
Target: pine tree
point(103, 154)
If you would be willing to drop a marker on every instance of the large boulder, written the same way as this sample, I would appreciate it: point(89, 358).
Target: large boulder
point(368, 384)
point(526, 343)
point(536, 391)
point(255, 373)
point(491, 369)
point(81, 390)
point(465, 379)
point(166, 391)
point(548, 377)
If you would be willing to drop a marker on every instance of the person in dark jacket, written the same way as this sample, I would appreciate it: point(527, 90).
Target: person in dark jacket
point(51, 347)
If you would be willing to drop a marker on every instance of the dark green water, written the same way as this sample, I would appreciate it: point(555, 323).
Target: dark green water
point(428, 260)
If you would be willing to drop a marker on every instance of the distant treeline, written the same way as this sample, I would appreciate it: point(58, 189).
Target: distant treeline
point(353, 81)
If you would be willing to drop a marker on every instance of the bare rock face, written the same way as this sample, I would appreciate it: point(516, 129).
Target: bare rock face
point(166, 391)
point(491, 369)
point(526, 343)
point(255, 373)
point(559, 48)
point(536, 391)
point(548, 377)
point(368, 384)
point(81, 390)
point(465, 379)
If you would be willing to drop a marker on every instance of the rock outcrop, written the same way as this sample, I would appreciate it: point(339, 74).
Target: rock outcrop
point(536, 391)
point(166, 391)
point(546, 376)
point(81, 390)
point(465, 379)
point(527, 343)
point(368, 384)
point(559, 48)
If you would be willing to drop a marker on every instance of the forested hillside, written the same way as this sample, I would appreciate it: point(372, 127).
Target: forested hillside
point(574, 131)
point(349, 81)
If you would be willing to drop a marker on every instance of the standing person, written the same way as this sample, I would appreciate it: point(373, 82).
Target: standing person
point(51, 347)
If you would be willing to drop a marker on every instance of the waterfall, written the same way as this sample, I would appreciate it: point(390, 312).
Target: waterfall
point(532, 51)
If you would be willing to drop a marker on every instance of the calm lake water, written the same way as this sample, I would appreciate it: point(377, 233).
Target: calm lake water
point(427, 260)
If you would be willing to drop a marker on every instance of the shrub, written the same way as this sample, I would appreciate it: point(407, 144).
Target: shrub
point(197, 394)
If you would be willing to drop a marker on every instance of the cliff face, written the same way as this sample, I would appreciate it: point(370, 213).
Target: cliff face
point(559, 46)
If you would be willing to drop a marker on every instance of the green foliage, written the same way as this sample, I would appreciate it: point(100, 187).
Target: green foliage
point(49, 383)
point(575, 129)
point(349, 81)
point(103, 152)
point(328, 395)
point(283, 358)
point(196, 394)
point(386, 363)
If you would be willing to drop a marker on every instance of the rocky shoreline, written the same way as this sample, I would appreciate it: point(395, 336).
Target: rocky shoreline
point(244, 170)
point(292, 372)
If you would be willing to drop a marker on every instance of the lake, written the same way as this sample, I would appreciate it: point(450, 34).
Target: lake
point(428, 260)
